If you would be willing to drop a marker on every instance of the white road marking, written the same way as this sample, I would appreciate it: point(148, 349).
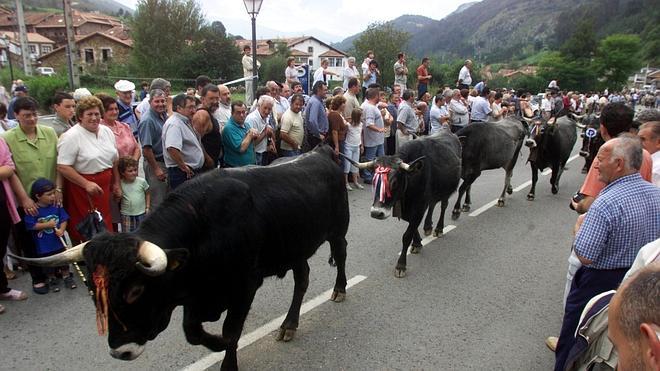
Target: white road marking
point(526, 184)
point(266, 329)
point(430, 238)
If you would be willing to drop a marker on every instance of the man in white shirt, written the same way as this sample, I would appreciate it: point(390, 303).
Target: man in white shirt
point(322, 72)
point(401, 71)
point(258, 120)
point(458, 111)
point(480, 107)
point(649, 133)
point(247, 72)
point(223, 113)
point(464, 77)
point(350, 72)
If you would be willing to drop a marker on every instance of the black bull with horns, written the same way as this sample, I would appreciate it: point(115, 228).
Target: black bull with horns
point(208, 247)
point(424, 172)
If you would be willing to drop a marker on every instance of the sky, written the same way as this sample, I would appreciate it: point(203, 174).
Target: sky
point(331, 21)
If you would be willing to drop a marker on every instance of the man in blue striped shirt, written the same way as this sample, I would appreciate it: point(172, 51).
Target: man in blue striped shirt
point(624, 217)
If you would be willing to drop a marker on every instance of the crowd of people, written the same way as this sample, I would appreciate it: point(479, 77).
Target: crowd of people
point(84, 167)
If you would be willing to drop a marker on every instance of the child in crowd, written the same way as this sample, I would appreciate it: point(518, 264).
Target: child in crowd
point(47, 228)
point(135, 199)
point(353, 147)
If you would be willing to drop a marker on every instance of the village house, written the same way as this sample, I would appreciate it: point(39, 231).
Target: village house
point(306, 50)
point(38, 45)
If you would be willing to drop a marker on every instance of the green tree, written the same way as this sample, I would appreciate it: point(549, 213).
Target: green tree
point(213, 54)
point(272, 67)
point(162, 33)
point(571, 74)
point(582, 44)
point(616, 58)
point(386, 42)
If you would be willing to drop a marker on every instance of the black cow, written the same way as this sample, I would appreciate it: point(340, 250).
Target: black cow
point(591, 139)
point(550, 143)
point(488, 146)
point(208, 247)
point(424, 172)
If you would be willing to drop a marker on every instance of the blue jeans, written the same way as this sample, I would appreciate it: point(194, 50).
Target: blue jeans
point(371, 153)
point(176, 176)
point(260, 158)
point(421, 89)
point(290, 153)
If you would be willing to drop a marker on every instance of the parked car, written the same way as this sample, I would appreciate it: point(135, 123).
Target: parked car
point(46, 71)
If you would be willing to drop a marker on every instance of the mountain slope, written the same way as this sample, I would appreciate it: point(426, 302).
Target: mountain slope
point(413, 24)
point(501, 30)
point(109, 7)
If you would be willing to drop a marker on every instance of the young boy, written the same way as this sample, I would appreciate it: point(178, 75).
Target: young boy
point(47, 228)
point(135, 197)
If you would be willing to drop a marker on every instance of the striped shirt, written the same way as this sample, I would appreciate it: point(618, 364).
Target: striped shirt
point(624, 217)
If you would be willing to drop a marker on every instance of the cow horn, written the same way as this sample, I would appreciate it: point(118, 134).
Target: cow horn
point(578, 117)
point(72, 255)
point(407, 167)
point(597, 116)
point(580, 125)
point(359, 165)
point(529, 120)
point(152, 260)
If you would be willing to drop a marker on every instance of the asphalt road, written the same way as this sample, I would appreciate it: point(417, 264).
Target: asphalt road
point(483, 297)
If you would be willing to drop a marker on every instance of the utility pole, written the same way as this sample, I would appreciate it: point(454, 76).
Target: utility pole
point(71, 50)
point(22, 31)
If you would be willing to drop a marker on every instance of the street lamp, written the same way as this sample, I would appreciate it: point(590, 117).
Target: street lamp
point(253, 7)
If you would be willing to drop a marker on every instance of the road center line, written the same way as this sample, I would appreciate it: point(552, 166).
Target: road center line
point(245, 340)
point(519, 188)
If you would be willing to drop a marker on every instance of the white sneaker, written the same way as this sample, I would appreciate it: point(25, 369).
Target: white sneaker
point(358, 186)
point(348, 187)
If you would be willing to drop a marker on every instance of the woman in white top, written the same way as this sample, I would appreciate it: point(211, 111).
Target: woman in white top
point(86, 155)
point(291, 72)
point(349, 72)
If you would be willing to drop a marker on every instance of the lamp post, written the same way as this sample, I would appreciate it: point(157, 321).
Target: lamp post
point(253, 7)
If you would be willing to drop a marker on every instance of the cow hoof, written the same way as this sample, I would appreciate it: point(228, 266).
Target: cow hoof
point(530, 197)
point(466, 208)
point(415, 249)
point(437, 233)
point(400, 272)
point(500, 203)
point(427, 232)
point(555, 190)
point(286, 335)
point(509, 190)
point(455, 214)
point(337, 296)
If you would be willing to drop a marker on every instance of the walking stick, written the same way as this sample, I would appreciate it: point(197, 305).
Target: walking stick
point(75, 264)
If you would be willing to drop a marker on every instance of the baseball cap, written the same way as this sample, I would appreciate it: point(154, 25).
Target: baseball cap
point(41, 186)
point(21, 88)
point(124, 85)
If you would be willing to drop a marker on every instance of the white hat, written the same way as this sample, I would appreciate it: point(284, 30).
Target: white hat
point(124, 85)
point(81, 93)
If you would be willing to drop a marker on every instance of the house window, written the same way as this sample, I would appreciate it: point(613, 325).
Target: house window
point(310, 49)
point(106, 54)
point(339, 62)
point(300, 60)
point(33, 49)
point(45, 49)
point(331, 62)
point(89, 55)
point(310, 62)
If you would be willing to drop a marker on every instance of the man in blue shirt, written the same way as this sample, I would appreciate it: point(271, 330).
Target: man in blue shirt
point(124, 90)
point(238, 138)
point(624, 217)
point(480, 107)
point(316, 119)
point(150, 131)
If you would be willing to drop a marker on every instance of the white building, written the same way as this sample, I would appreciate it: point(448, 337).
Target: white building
point(306, 49)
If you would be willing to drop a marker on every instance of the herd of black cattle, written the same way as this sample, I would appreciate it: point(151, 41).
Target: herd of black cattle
point(211, 243)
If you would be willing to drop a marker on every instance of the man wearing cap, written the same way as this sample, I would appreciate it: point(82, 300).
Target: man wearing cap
point(150, 130)
point(124, 91)
point(160, 84)
point(21, 91)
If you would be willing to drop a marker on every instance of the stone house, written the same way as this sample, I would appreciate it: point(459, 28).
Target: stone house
point(96, 51)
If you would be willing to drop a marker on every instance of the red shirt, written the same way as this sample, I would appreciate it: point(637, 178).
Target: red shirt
point(422, 71)
point(592, 186)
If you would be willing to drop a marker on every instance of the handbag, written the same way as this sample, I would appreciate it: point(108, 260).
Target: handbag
point(92, 224)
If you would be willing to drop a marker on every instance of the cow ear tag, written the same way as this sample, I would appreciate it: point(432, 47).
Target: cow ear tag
point(176, 258)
